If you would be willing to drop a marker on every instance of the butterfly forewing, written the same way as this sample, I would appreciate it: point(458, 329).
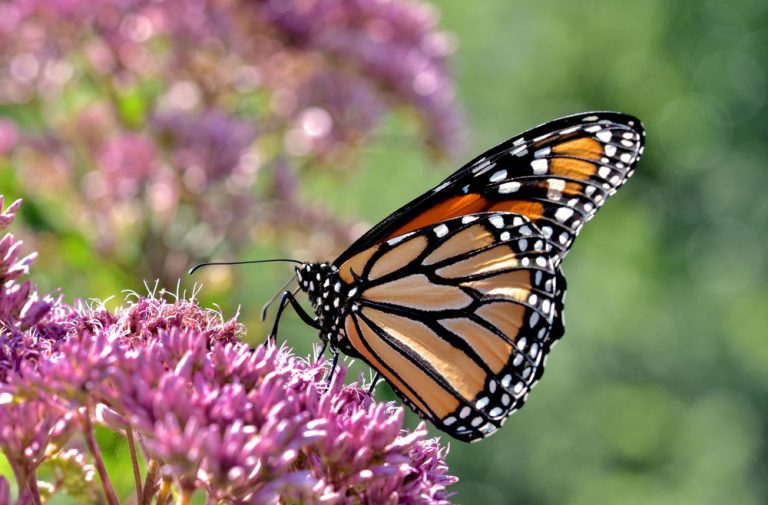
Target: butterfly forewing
point(557, 175)
point(457, 317)
point(457, 297)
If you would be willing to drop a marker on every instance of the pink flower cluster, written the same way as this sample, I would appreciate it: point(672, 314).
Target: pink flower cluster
point(206, 411)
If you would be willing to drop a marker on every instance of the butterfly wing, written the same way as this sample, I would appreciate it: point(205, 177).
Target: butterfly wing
point(458, 317)
point(557, 175)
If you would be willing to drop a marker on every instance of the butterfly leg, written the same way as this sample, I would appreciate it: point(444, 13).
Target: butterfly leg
point(334, 364)
point(284, 301)
point(373, 384)
point(322, 350)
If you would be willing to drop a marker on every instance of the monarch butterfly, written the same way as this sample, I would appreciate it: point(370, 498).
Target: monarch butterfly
point(457, 297)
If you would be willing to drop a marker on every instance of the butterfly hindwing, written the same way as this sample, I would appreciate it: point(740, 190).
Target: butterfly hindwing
point(557, 175)
point(457, 317)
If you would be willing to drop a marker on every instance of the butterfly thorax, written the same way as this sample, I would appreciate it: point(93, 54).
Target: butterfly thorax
point(328, 296)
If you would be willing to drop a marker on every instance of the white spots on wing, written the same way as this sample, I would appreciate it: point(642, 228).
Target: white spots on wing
point(627, 143)
point(517, 389)
point(525, 230)
point(468, 219)
point(610, 150)
point(499, 176)
point(449, 421)
point(555, 188)
point(604, 172)
point(352, 292)
point(541, 261)
point(537, 277)
point(516, 362)
point(628, 135)
point(534, 350)
point(589, 119)
point(496, 411)
point(521, 344)
point(626, 157)
point(441, 187)
point(533, 299)
point(525, 262)
point(547, 231)
point(518, 141)
point(492, 386)
point(588, 207)
point(546, 305)
point(589, 190)
point(517, 221)
point(504, 236)
point(563, 238)
point(496, 221)
point(465, 412)
point(505, 399)
point(519, 151)
point(507, 379)
point(615, 180)
point(477, 422)
point(542, 152)
point(522, 244)
point(465, 189)
point(604, 135)
point(509, 187)
point(540, 166)
point(543, 137)
point(563, 213)
point(441, 231)
point(569, 130)
point(594, 128)
point(488, 428)
point(483, 165)
point(482, 402)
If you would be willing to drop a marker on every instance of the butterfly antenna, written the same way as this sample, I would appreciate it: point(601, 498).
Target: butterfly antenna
point(249, 262)
point(265, 308)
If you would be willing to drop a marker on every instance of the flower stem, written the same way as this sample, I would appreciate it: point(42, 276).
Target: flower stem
point(134, 461)
point(150, 484)
point(165, 492)
point(93, 447)
point(34, 491)
point(184, 496)
point(25, 482)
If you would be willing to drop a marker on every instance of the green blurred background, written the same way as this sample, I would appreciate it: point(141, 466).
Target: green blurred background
point(658, 392)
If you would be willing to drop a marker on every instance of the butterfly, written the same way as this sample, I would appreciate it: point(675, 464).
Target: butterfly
point(457, 297)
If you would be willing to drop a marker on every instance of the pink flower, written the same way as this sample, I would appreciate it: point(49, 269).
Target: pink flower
point(242, 424)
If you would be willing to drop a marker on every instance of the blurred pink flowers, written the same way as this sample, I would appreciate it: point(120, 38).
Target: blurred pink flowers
point(152, 117)
point(208, 412)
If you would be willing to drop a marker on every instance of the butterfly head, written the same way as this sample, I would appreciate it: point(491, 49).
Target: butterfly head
point(322, 284)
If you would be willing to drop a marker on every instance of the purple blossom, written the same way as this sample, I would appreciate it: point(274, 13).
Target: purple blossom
point(242, 424)
point(125, 164)
point(206, 147)
point(9, 136)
